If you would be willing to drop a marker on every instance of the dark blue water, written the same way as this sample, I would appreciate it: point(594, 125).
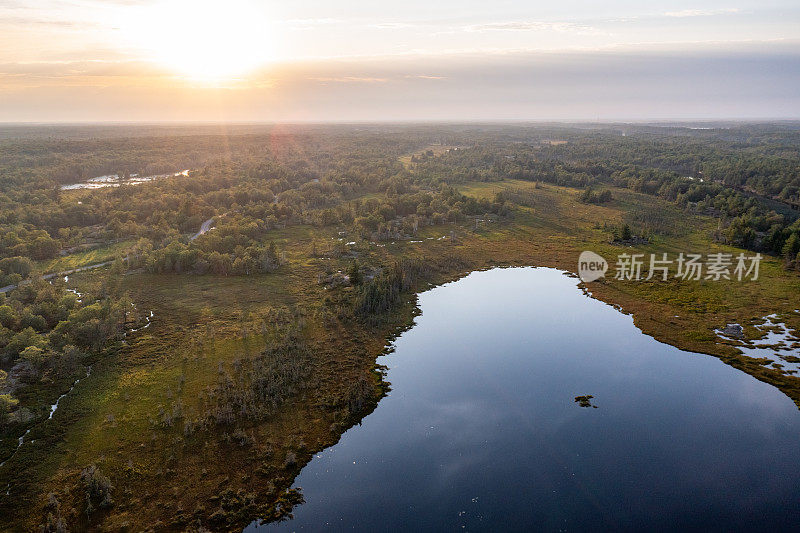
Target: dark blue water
point(481, 431)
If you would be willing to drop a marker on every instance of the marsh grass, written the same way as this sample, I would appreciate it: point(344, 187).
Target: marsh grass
point(282, 365)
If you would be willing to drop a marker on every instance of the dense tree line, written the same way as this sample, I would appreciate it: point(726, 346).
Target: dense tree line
point(353, 178)
point(47, 333)
point(254, 182)
point(384, 292)
point(748, 177)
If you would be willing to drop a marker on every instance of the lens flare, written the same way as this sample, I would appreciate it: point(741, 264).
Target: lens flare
point(202, 40)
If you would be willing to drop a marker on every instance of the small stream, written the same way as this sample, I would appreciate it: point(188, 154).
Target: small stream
point(147, 322)
point(148, 319)
point(53, 409)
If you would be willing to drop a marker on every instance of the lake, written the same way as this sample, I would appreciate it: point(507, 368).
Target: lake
point(113, 180)
point(481, 430)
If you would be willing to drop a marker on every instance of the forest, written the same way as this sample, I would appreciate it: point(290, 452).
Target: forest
point(747, 177)
point(326, 177)
point(279, 201)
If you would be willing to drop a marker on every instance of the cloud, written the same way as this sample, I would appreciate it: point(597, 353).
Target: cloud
point(16, 22)
point(560, 27)
point(701, 12)
point(749, 81)
point(395, 25)
point(350, 79)
point(308, 23)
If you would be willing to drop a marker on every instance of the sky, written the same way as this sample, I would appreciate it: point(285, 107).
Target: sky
point(348, 60)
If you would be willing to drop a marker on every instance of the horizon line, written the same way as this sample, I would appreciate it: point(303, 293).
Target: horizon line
point(739, 120)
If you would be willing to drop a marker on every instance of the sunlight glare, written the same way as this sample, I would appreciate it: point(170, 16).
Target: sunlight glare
point(203, 40)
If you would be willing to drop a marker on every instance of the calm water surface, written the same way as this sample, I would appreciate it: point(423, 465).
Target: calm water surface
point(113, 180)
point(481, 431)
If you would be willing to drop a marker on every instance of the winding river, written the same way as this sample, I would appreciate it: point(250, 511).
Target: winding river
point(481, 430)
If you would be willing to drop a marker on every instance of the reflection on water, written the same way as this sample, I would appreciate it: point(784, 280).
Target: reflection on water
point(481, 429)
point(113, 180)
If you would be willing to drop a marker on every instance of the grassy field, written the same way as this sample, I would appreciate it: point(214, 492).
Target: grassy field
point(83, 258)
point(436, 149)
point(204, 327)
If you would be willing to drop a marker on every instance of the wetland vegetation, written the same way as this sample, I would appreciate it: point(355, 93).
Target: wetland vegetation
point(264, 330)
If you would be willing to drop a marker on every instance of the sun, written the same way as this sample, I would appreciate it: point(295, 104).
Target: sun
point(203, 40)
